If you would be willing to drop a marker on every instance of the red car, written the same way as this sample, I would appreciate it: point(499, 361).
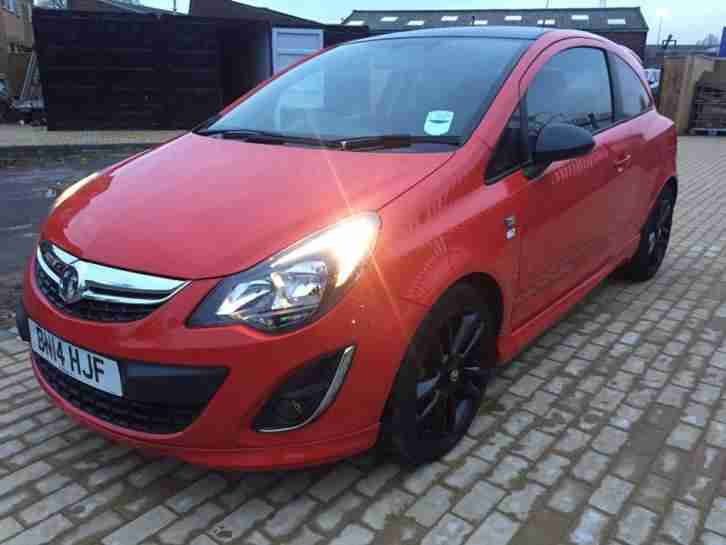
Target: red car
point(349, 251)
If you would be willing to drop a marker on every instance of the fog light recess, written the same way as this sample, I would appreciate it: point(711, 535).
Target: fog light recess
point(306, 394)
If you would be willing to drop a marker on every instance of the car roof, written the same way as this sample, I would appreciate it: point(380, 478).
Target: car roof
point(512, 32)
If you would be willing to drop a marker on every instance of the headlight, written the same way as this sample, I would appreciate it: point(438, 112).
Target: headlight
point(297, 285)
point(72, 190)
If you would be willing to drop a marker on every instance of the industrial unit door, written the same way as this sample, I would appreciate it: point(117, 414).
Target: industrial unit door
point(289, 45)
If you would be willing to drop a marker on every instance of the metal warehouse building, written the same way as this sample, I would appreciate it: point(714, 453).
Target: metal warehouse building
point(625, 26)
point(116, 69)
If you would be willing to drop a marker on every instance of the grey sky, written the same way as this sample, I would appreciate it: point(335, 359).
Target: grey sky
point(688, 20)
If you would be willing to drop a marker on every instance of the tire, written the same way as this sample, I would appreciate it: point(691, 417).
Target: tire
point(654, 239)
point(435, 396)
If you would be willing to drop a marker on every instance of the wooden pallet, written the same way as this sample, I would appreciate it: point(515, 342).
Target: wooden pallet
point(709, 110)
point(708, 132)
point(710, 95)
point(709, 121)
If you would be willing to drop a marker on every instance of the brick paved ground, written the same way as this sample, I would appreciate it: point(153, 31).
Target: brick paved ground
point(610, 430)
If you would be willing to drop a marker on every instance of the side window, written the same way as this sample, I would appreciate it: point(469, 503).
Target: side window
point(510, 153)
point(633, 99)
point(573, 87)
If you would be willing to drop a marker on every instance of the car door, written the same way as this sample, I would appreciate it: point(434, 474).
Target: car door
point(565, 221)
point(622, 195)
point(628, 141)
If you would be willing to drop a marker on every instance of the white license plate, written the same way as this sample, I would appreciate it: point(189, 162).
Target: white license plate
point(82, 365)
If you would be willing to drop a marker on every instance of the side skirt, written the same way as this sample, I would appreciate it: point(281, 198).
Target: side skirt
point(510, 345)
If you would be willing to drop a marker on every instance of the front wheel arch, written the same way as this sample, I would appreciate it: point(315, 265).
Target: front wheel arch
point(489, 288)
point(492, 300)
point(397, 429)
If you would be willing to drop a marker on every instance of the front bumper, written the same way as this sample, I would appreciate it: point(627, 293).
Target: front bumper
point(250, 459)
point(158, 399)
point(223, 435)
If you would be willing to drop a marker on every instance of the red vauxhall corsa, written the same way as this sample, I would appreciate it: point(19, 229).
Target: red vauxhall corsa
point(350, 250)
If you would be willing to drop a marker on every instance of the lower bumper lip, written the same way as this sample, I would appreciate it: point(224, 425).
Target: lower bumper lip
point(157, 399)
point(293, 456)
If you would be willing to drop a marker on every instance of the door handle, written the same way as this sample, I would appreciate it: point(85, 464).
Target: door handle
point(624, 161)
point(620, 164)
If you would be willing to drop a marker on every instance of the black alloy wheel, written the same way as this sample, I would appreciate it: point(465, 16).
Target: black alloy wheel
point(441, 383)
point(451, 378)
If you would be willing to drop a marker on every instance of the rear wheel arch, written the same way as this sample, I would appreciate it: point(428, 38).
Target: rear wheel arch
point(671, 182)
point(655, 194)
point(654, 236)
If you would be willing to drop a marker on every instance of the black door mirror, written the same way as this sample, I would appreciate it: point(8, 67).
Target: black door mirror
point(560, 141)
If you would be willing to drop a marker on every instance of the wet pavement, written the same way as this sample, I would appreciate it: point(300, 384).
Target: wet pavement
point(29, 184)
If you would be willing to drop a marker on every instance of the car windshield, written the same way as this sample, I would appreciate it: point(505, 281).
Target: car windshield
point(424, 88)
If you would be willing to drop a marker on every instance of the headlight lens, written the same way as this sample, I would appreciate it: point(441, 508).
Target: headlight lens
point(297, 285)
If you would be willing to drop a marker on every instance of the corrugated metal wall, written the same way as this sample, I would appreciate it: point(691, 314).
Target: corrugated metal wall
point(114, 71)
point(632, 40)
point(138, 71)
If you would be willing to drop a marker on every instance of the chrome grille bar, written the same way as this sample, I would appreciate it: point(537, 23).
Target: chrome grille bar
point(107, 284)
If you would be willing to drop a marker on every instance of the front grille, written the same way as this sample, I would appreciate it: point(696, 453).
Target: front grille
point(96, 292)
point(122, 412)
point(87, 309)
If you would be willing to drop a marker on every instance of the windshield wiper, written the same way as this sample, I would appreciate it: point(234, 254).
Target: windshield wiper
point(393, 141)
point(360, 143)
point(234, 133)
point(264, 137)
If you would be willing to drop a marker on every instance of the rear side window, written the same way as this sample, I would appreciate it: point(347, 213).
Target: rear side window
point(510, 153)
point(573, 87)
point(633, 99)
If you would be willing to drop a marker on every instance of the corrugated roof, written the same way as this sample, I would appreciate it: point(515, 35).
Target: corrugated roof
point(133, 8)
point(237, 10)
point(588, 19)
point(680, 49)
point(513, 32)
